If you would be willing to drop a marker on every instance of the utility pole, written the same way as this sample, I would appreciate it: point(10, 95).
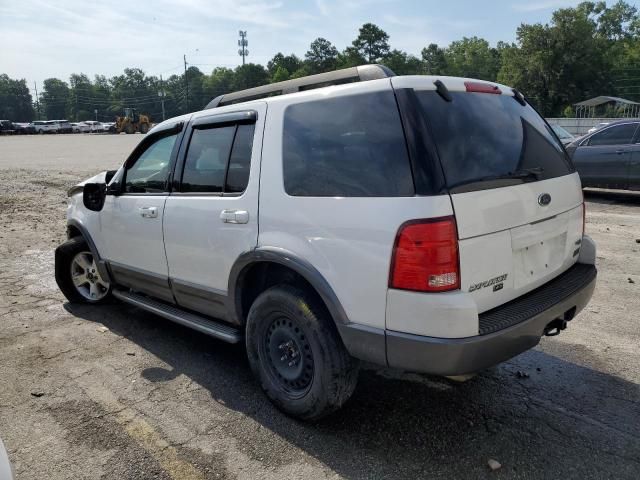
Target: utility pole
point(35, 86)
point(186, 83)
point(162, 94)
point(243, 43)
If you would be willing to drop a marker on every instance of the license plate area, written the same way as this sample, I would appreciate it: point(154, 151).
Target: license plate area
point(538, 251)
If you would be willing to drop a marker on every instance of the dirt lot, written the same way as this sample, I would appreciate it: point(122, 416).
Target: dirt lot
point(149, 399)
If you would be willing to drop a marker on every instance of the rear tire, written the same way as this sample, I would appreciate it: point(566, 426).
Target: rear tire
point(77, 275)
point(297, 355)
point(144, 128)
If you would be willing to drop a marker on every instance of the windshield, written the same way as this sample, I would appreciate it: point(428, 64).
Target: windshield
point(561, 132)
point(482, 137)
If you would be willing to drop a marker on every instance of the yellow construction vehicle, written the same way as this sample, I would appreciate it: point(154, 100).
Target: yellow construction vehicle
point(132, 122)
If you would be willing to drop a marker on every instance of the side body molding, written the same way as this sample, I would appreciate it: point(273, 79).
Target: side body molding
point(100, 263)
point(363, 342)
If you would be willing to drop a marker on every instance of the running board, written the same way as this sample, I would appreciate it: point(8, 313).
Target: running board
point(177, 315)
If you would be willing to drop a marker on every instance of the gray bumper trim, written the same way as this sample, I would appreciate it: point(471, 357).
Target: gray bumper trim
point(457, 356)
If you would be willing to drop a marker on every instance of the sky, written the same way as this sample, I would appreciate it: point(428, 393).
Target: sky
point(48, 38)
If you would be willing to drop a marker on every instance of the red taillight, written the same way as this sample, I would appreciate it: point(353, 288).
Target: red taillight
point(425, 256)
point(481, 87)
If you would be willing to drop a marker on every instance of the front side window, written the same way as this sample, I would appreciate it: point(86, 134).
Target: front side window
point(218, 159)
point(616, 135)
point(150, 171)
point(351, 146)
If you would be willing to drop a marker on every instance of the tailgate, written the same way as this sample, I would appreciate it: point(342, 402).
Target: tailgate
point(510, 244)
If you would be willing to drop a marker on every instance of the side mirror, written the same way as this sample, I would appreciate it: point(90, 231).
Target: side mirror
point(93, 196)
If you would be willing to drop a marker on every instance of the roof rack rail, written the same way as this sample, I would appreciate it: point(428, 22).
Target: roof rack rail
point(338, 77)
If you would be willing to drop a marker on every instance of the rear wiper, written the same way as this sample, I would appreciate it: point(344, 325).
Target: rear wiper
point(521, 174)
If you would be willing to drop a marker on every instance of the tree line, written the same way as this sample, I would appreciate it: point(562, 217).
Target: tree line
point(588, 50)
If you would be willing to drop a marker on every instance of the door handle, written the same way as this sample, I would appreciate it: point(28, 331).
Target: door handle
point(621, 151)
point(234, 216)
point(149, 212)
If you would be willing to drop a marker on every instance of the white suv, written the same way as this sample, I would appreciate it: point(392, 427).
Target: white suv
point(431, 224)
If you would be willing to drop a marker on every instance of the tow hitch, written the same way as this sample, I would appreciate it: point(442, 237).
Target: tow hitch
point(555, 327)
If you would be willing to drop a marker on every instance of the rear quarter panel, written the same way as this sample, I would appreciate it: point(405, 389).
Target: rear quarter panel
point(349, 240)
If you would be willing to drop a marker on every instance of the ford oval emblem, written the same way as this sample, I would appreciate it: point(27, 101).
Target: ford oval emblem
point(544, 199)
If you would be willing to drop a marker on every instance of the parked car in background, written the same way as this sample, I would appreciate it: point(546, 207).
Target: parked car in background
point(109, 127)
point(80, 127)
point(6, 127)
point(609, 157)
point(24, 128)
point(95, 127)
point(598, 127)
point(42, 126)
point(565, 137)
point(63, 126)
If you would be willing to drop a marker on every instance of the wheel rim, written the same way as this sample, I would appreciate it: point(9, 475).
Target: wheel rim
point(86, 277)
point(289, 356)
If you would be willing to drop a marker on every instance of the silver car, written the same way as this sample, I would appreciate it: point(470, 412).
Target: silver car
point(610, 156)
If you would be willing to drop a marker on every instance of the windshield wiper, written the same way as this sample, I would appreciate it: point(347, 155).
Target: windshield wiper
point(521, 174)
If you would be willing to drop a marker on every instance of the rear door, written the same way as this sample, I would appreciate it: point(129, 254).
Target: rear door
point(211, 217)
point(634, 163)
point(516, 197)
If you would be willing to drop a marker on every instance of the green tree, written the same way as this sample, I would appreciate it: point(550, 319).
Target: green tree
point(55, 98)
point(433, 60)
point(372, 43)
point(290, 63)
point(561, 63)
point(280, 75)
point(401, 63)
point(15, 100)
point(472, 57)
point(249, 76)
point(321, 56)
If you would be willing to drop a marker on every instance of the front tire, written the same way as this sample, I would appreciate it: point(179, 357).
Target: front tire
point(297, 355)
point(77, 274)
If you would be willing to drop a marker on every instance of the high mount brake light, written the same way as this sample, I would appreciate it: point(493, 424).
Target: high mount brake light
point(425, 256)
point(481, 87)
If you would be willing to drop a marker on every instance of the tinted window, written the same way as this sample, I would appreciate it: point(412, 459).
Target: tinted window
point(482, 136)
point(150, 171)
point(347, 146)
point(240, 162)
point(616, 135)
point(207, 157)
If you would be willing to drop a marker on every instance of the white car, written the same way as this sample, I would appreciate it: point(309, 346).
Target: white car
point(598, 127)
point(109, 127)
point(45, 126)
point(80, 127)
point(94, 126)
point(383, 219)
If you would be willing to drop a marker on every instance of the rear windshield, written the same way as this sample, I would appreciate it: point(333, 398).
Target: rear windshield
point(489, 141)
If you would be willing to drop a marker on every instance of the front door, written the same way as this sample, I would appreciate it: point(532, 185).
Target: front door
point(604, 160)
point(131, 223)
point(211, 217)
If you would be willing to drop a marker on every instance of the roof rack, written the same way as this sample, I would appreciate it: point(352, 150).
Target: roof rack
point(338, 77)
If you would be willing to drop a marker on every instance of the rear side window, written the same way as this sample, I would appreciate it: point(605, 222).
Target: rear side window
point(487, 141)
point(350, 146)
point(218, 160)
point(616, 135)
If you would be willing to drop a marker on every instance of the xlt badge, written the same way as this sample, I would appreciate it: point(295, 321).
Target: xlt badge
point(487, 283)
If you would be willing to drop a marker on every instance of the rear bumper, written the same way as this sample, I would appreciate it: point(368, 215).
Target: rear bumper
point(561, 298)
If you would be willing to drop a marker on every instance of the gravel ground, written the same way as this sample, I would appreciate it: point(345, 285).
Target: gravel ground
point(145, 398)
